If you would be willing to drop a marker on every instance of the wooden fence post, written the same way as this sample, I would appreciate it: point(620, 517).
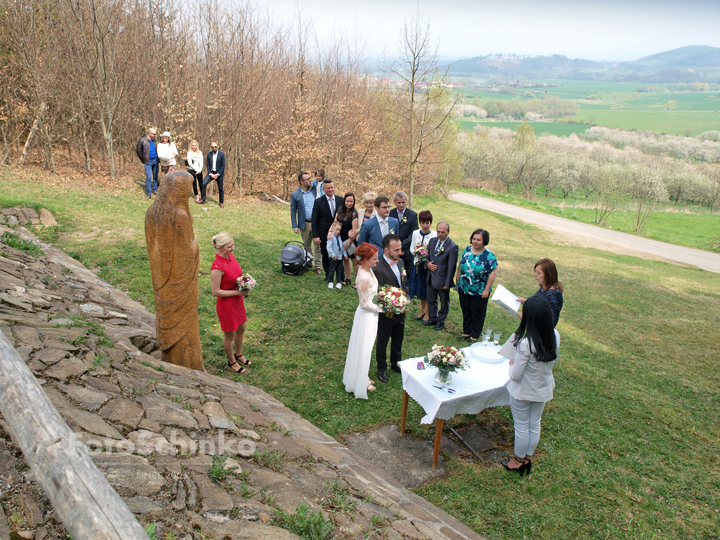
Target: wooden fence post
point(88, 506)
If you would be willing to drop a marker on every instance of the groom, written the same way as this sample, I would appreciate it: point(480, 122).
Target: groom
point(390, 270)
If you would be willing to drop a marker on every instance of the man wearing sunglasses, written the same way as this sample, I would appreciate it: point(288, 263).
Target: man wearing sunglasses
point(215, 163)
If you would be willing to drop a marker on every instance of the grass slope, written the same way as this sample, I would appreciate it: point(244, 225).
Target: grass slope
point(629, 447)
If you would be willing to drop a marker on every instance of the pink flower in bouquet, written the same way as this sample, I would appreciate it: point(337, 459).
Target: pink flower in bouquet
point(246, 282)
point(392, 300)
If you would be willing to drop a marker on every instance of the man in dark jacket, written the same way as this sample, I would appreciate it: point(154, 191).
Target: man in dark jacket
point(147, 152)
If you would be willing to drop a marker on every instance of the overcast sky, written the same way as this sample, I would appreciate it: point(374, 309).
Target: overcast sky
point(596, 30)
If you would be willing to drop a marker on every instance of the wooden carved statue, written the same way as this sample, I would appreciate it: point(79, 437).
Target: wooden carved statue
point(174, 263)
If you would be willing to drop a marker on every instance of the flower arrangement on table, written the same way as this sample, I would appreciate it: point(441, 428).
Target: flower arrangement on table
point(446, 358)
point(246, 282)
point(392, 300)
point(421, 252)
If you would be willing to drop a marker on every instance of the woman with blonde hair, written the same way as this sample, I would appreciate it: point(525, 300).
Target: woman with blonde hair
point(368, 202)
point(230, 305)
point(194, 161)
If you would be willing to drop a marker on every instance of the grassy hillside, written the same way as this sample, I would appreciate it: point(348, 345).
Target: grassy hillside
point(630, 443)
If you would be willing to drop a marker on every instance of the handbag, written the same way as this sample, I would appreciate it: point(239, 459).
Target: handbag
point(351, 248)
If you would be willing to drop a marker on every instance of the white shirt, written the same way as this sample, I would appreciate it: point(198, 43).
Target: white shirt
point(394, 268)
point(213, 157)
point(331, 204)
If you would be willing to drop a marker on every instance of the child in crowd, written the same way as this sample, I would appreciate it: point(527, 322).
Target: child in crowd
point(336, 254)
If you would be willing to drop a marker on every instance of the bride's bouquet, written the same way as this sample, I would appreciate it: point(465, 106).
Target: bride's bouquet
point(446, 358)
point(392, 300)
point(246, 282)
point(421, 252)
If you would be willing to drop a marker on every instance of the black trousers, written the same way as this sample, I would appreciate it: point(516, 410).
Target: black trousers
point(336, 270)
point(197, 181)
point(392, 329)
point(203, 188)
point(323, 251)
point(433, 296)
point(473, 310)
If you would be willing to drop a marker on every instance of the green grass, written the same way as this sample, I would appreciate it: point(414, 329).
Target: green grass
point(694, 228)
point(560, 129)
point(630, 443)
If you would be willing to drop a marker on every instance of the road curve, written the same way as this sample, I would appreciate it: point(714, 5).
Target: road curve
point(689, 256)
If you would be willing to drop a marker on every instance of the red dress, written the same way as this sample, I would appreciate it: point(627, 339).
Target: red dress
point(230, 309)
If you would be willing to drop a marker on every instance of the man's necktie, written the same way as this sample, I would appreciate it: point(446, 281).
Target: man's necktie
point(331, 202)
point(437, 248)
point(384, 227)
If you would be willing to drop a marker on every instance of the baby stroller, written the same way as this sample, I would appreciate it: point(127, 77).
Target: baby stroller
point(293, 258)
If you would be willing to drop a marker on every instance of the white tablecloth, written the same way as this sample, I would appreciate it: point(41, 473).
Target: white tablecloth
point(478, 387)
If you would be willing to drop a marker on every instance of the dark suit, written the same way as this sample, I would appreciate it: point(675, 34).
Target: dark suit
point(220, 170)
point(371, 232)
point(441, 280)
point(322, 218)
point(407, 227)
point(389, 328)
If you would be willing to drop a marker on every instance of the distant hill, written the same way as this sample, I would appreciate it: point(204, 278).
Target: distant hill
point(686, 64)
point(694, 56)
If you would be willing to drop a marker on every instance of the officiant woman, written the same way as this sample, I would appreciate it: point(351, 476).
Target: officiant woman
point(476, 272)
point(546, 274)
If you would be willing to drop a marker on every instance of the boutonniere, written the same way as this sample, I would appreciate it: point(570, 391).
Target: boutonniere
point(403, 221)
point(403, 274)
point(441, 250)
point(392, 231)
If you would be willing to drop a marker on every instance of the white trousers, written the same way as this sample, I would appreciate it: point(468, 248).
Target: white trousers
point(526, 417)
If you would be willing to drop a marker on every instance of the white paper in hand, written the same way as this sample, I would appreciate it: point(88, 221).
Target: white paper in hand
point(506, 300)
point(508, 350)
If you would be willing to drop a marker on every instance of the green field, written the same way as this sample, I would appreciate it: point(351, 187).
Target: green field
point(553, 128)
point(624, 107)
point(629, 443)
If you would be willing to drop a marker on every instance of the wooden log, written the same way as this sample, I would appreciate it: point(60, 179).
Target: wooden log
point(83, 499)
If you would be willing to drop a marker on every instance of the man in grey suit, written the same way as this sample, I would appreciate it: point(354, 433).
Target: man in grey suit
point(302, 202)
point(441, 263)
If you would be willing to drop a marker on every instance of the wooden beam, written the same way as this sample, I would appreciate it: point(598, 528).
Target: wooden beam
point(439, 424)
point(403, 414)
point(83, 499)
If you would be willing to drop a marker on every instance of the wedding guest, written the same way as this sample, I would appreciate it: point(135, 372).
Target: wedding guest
point(302, 201)
point(230, 305)
point(408, 223)
point(147, 153)
point(368, 202)
point(347, 216)
point(194, 161)
point(377, 228)
point(336, 254)
point(167, 152)
point(365, 324)
point(551, 289)
point(441, 263)
point(531, 380)
point(418, 287)
point(475, 276)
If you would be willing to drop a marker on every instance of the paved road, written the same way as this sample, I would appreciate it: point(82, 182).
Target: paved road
point(690, 256)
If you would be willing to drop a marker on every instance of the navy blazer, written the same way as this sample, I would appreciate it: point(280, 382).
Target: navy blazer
point(446, 264)
point(219, 166)
point(297, 209)
point(406, 229)
point(371, 232)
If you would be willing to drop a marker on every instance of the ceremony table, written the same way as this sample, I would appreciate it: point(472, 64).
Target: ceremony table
point(478, 387)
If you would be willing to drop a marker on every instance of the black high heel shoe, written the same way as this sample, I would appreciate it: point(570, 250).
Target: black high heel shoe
point(524, 468)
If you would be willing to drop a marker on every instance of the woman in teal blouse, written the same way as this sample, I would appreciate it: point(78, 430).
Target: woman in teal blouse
point(476, 272)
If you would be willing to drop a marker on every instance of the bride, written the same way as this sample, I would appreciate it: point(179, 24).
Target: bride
point(364, 330)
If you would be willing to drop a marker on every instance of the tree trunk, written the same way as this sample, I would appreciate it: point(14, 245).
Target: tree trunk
point(107, 135)
point(86, 147)
point(49, 159)
point(33, 130)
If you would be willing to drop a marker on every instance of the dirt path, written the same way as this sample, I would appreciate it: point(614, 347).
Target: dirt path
point(597, 237)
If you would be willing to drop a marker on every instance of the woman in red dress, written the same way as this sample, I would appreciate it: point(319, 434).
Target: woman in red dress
point(230, 305)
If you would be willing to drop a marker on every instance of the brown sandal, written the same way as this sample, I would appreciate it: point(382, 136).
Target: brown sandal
point(241, 371)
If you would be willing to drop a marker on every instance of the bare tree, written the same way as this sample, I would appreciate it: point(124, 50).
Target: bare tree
point(419, 112)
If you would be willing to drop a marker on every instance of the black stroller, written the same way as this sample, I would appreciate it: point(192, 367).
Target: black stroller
point(294, 257)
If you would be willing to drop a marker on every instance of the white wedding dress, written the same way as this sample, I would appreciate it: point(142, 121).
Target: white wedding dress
point(362, 337)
